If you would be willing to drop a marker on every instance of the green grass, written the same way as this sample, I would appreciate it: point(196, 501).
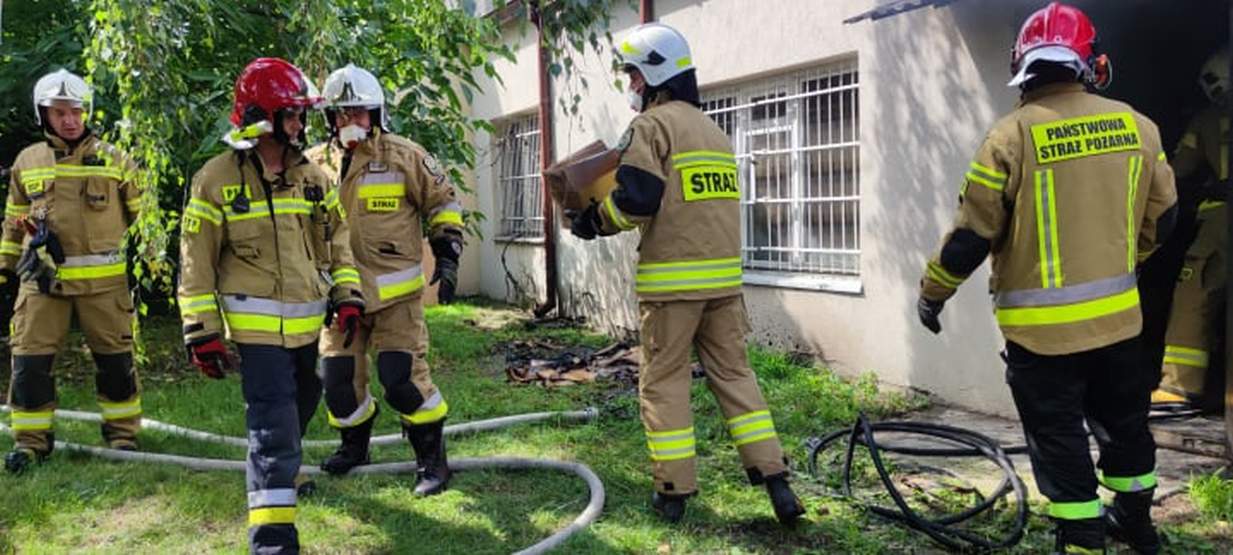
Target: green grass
point(81, 504)
point(1213, 496)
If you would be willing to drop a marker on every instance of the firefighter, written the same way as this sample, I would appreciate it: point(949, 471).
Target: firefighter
point(677, 183)
point(1202, 157)
point(71, 198)
point(257, 232)
point(1069, 192)
point(390, 188)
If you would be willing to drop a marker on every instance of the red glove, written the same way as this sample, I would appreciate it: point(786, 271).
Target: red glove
point(347, 318)
point(211, 357)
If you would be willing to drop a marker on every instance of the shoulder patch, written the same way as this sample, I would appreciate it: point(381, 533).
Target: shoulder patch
point(434, 169)
point(626, 139)
point(432, 166)
point(191, 224)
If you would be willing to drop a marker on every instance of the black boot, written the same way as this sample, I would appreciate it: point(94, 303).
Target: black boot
point(304, 485)
point(20, 459)
point(354, 449)
point(1079, 537)
point(788, 507)
point(433, 472)
point(1129, 520)
point(670, 507)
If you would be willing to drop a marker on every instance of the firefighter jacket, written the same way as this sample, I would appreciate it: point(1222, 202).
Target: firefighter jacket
point(389, 188)
point(1205, 146)
point(677, 182)
point(87, 197)
point(1205, 143)
point(1066, 192)
point(262, 252)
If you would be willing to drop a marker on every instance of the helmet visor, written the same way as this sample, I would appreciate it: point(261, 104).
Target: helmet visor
point(1057, 54)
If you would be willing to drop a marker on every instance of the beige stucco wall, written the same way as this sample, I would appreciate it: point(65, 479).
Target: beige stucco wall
point(516, 95)
point(932, 81)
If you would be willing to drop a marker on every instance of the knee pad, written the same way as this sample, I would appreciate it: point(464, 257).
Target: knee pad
point(394, 371)
point(337, 374)
point(115, 379)
point(32, 383)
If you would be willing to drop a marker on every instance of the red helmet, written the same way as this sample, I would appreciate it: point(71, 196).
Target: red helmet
point(270, 85)
point(1056, 33)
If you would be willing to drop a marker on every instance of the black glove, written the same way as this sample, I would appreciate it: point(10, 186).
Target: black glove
point(928, 311)
point(585, 225)
point(41, 259)
point(446, 248)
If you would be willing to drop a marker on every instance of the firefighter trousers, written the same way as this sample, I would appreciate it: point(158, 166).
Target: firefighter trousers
point(399, 337)
point(1197, 303)
point(1109, 388)
point(717, 329)
point(40, 324)
point(281, 390)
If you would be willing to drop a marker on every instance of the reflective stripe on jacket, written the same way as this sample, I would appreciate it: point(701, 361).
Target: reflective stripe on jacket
point(88, 197)
point(391, 190)
point(691, 246)
point(1067, 191)
point(264, 266)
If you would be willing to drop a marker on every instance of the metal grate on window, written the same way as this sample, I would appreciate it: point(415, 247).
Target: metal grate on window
point(797, 141)
point(518, 179)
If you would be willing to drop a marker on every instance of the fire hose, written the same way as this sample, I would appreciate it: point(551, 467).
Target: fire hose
point(943, 530)
point(962, 443)
point(584, 519)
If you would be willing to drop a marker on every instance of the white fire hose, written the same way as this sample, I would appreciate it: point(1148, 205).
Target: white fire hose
point(588, 515)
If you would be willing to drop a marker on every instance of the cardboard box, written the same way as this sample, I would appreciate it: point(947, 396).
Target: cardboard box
point(583, 177)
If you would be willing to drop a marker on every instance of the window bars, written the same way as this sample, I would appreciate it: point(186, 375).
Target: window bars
point(518, 179)
point(797, 141)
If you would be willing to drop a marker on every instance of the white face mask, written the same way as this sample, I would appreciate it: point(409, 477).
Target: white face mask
point(635, 100)
point(352, 135)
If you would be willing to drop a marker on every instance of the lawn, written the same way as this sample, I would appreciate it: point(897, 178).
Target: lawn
point(85, 505)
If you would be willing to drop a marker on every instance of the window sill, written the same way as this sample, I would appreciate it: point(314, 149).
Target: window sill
point(849, 285)
point(520, 240)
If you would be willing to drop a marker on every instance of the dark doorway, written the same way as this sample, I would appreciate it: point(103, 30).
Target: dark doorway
point(1158, 48)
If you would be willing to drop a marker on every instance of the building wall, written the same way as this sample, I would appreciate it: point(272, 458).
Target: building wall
point(517, 94)
point(932, 81)
point(597, 277)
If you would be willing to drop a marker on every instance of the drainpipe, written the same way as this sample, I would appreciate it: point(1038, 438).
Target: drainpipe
point(646, 13)
point(1228, 317)
point(546, 157)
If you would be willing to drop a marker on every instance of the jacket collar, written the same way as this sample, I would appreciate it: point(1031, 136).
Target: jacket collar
point(293, 157)
point(61, 146)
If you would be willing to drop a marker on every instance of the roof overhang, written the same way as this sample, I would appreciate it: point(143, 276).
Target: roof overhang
point(897, 7)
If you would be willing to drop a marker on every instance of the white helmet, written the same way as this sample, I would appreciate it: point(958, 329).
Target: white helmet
point(352, 86)
point(658, 51)
point(61, 85)
point(1214, 78)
